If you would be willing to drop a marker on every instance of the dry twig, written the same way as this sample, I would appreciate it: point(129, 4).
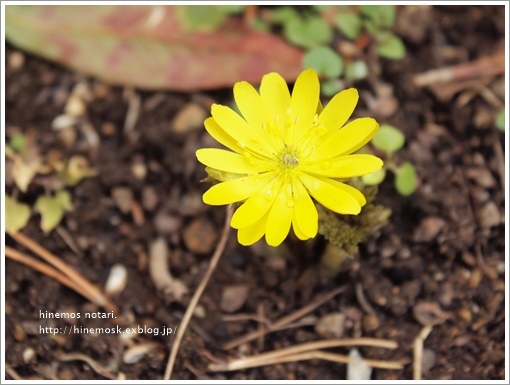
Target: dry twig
point(418, 351)
point(94, 294)
point(284, 320)
point(96, 367)
point(301, 352)
point(198, 293)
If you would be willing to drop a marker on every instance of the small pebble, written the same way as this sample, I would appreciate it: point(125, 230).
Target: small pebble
point(200, 236)
point(190, 118)
point(488, 215)
point(117, 280)
point(233, 298)
point(428, 229)
point(331, 325)
point(28, 355)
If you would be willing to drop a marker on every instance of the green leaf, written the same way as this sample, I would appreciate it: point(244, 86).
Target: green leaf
point(325, 61)
point(382, 15)
point(17, 142)
point(406, 179)
point(283, 15)
point(16, 215)
point(392, 48)
point(308, 33)
point(356, 70)
point(231, 9)
point(52, 209)
point(374, 178)
point(349, 24)
point(500, 120)
point(388, 139)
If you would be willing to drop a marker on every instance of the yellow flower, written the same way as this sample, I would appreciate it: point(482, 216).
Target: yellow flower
point(284, 150)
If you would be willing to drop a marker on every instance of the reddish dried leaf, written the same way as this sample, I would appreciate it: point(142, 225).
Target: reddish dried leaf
point(148, 47)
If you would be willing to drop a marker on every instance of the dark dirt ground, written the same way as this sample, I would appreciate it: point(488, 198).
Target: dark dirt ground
point(443, 248)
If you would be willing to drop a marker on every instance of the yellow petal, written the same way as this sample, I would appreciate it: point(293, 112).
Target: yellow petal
point(347, 166)
point(221, 136)
point(302, 236)
point(338, 110)
point(305, 213)
point(358, 195)
point(304, 102)
point(279, 220)
point(250, 104)
point(236, 190)
point(347, 140)
point(330, 196)
point(256, 206)
point(275, 94)
point(235, 126)
point(251, 234)
point(232, 162)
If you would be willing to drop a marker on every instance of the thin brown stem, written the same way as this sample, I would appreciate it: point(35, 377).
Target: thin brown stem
point(220, 247)
point(94, 293)
point(306, 347)
point(284, 320)
point(314, 354)
point(45, 269)
point(418, 352)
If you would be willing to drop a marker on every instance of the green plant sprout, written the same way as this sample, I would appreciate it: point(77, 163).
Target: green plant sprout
point(389, 140)
point(26, 165)
point(500, 120)
point(377, 20)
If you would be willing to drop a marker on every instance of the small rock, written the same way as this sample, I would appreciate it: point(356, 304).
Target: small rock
point(150, 198)
point(28, 355)
point(482, 176)
point(331, 325)
point(445, 296)
point(428, 360)
point(139, 169)
point(429, 313)
point(166, 223)
point(16, 60)
point(475, 279)
point(429, 228)
point(123, 198)
point(75, 106)
point(117, 280)
point(200, 236)
point(190, 118)
point(370, 323)
point(233, 298)
point(465, 314)
point(488, 215)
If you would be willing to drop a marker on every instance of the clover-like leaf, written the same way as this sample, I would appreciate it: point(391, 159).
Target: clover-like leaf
point(406, 179)
point(17, 142)
point(374, 178)
point(388, 139)
point(356, 70)
point(391, 48)
point(308, 33)
point(382, 15)
point(500, 120)
point(325, 61)
point(204, 18)
point(52, 209)
point(349, 24)
point(16, 215)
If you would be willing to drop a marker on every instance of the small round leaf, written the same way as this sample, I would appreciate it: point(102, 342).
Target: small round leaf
point(308, 33)
point(406, 179)
point(388, 139)
point(349, 24)
point(382, 15)
point(325, 61)
point(392, 48)
point(16, 215)
point(374, 178)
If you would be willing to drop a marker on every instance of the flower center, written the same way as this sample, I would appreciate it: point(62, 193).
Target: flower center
point(288, 158)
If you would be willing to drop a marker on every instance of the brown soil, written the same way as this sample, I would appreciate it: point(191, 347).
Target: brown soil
point(441, 256)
